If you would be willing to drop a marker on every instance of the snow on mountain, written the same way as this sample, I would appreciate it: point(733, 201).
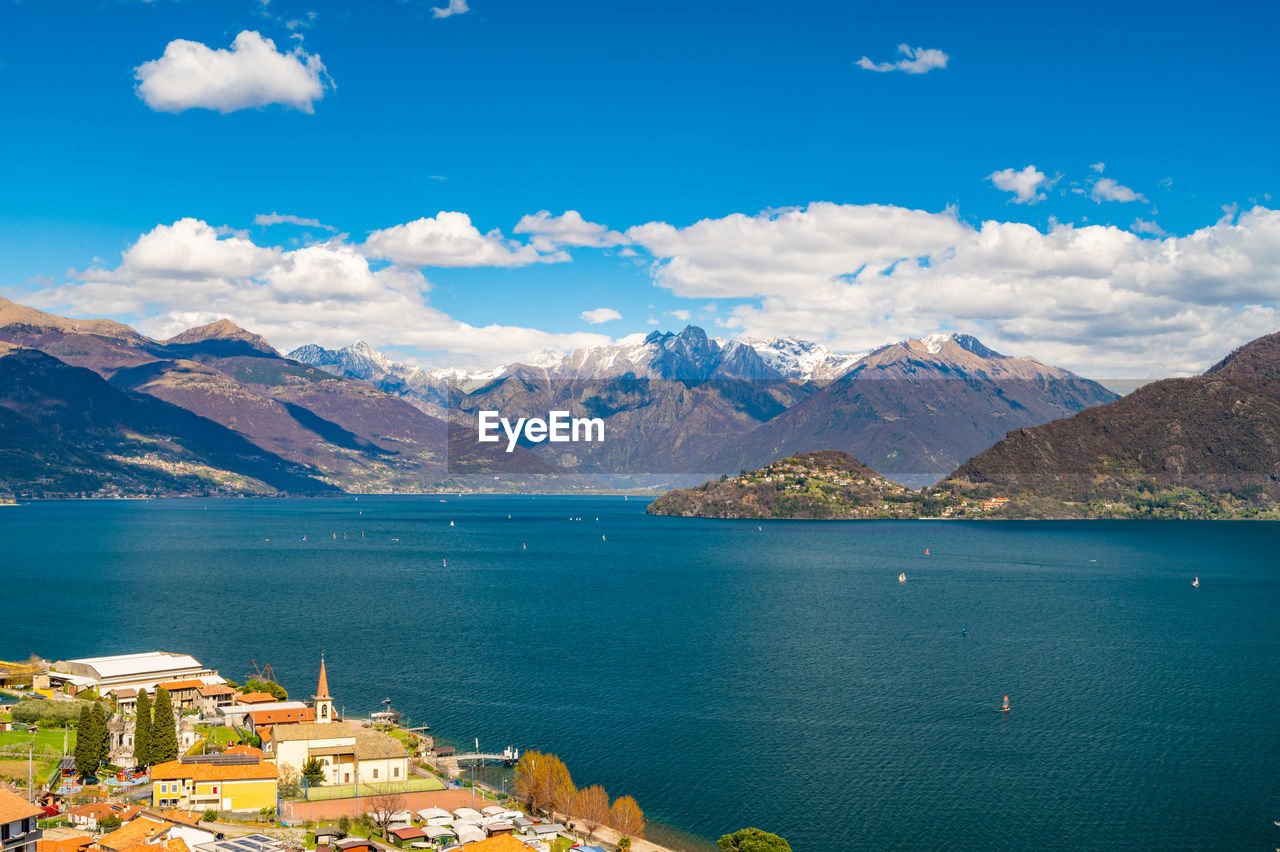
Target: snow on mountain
point(803, 359)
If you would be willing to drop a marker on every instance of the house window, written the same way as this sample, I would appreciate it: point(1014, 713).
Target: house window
point(375, 773)
point(346, 778)
point(395, 772)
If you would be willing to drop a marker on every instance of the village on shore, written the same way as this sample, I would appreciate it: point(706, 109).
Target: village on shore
point(87, 765)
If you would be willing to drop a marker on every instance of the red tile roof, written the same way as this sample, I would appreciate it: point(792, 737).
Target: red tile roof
point(177, 685)
point(292, 716)
point(13, 807)
point(174, 771)
point(255, 698)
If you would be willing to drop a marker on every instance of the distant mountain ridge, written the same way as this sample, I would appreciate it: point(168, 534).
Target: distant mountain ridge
point(1203, 447)
point(676, 404)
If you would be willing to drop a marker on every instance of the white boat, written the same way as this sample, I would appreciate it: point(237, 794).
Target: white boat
point(451, 523)
point(902, 578)
point(1195, 583)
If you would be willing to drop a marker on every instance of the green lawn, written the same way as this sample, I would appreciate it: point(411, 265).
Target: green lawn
point(218, 734)
point(47, 738)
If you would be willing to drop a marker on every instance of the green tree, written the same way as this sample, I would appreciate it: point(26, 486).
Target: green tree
point(87, 740)
point(164, 735)
point(752, 840)
point(110, 822)
point(624, 844)
point(142, 730)
point(313, 772)
point(100, 730)
point(268, 686)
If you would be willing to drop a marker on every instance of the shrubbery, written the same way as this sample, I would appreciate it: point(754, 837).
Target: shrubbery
point(46, 712)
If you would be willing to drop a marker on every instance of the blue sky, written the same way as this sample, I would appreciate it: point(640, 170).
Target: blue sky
point(1150, 131)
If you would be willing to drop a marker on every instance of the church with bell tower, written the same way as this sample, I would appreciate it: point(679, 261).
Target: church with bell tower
point(322, 702)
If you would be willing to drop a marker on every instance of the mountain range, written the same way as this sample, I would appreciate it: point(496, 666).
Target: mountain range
point(217, 409)
point(1200, 447)
point(689, 403)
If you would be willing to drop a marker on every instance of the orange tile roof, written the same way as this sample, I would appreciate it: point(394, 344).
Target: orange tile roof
point(175, 685)
point(244, 749)
point(99, 810)
point(174, 771)
point(69, 844)
point(132, 833)
point(255, 698)
point(500, 843)
point(184, 817)
point(13, 807)
point(295, 715)
point(171, 844)
point(216, 689)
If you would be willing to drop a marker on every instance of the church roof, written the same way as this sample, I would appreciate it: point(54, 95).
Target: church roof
point(322, 688)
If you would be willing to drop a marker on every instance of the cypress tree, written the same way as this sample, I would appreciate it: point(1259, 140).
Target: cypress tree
point(86, 743)
point(164, 735)
point(142, 731)
point(100, 731)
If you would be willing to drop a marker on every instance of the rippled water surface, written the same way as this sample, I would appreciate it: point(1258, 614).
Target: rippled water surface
point(728, 675)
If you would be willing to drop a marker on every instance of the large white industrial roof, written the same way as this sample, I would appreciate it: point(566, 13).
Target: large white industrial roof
point(124, 665)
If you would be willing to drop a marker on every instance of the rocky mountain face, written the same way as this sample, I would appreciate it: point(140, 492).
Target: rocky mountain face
point(343, 433)
point(917, 408)
point(691, 403)
point(671, 403)
point(66, 430)
point(1198, 447)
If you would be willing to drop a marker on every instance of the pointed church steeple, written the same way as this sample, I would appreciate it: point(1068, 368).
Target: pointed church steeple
point(322, 701)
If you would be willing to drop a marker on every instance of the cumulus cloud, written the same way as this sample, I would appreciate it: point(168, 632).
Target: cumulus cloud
point(917, 60)
point(251, 74)
point(1106, 189)
point(1098, 167)
point(286, 219)
point(567, 229)
point(1141, 226)
point(680, 314)
point(180, 275)
point(1097, 299)
point(1025, 185)
point(454, 7)
point(599, 315)
point(449, 239)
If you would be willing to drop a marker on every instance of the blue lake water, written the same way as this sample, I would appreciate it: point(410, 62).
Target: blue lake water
point(727, 675)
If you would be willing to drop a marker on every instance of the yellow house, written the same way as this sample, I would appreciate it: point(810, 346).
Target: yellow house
point(221, 782)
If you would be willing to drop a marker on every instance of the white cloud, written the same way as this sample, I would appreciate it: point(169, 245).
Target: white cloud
point(680, 314)
point(1098, 167)
point(251, 74)
point(599, 315)
point(1097, 299)
point(567, 229)
point(1025, 185)
point(266, 219)
point(449, 239)
point(1106, 189)
point(180, 275)
point(918, 60)
point(1141, 226)
point(455, 7)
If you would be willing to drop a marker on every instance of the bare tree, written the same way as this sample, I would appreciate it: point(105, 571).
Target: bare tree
point(626, 817)
point(560, 790)
point(592, 807)
point(531, 779)
point(383, 805)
